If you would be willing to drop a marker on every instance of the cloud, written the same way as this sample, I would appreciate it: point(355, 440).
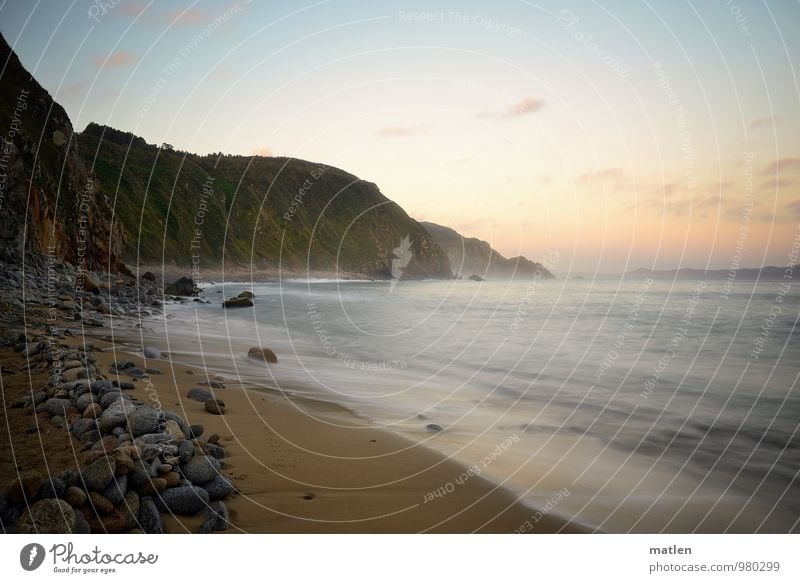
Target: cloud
point(763, 122)
point(782, 165)
point(399, 131)
point(522, 108)
point(265, 151)
point(776, 184)
point(188, 17)
point(794, 206)
point(115, 60)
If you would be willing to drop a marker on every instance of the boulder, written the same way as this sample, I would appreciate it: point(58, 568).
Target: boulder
point(238, 303)
point(184, 286)
point(264, 354)
point(149, 517)
point(75, 496)
point(150, 352)
point(201, 469)
point(201, 395)
point(99, 474)
point(24, 487)
point(219, 488)
point(115, 415)
point(50, 516)
point(130, 509)
point(52, 488)
point(143, 420)
point(183, 500)
point(215, 406)
point(246, 294)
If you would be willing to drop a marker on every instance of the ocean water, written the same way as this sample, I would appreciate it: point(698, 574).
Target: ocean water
point(626, 406)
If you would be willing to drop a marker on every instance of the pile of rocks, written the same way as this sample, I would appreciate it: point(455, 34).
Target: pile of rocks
point(136, 461)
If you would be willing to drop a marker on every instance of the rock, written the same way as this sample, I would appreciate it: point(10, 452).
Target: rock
point(201, 395)
point(219, 488)
point(81, 525)
point(172, 479)
point(136, 372)
point(100, 503)
point(215, 451)
point(215, 406)
point(474, 277)
point(115, 415)
point(81, 426)
point(213, 438)
point(182, 287)
point(124, 464)
point(84, 401)
point(55, 407)
point(130, 510)
point(116, 490)
point(52, 488)
point(140, 474)
point(183, 500)
point(148, 276)
point(217, 518)
point(212, 384)
point(186, 451)
point(201, 469)
point(238, 303)
point(153, 486)
point(143, 420)
point(246, 294)
point(112, 397)
point(149, 517)
point(74, 374)
point(112, 523)
point(99, 474)
point(433, 428)
point(153, 371)
point(75, 496)
point(195, 431)
point(264, 354)
point(88, 283)
point(24, 487)
point(172, 428)
point(93, 411)
point(50, 516)
point(150, 352)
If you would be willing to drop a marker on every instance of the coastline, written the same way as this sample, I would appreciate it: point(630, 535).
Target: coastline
point(329, 471)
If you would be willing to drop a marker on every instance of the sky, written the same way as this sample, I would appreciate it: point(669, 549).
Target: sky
point(611, 135)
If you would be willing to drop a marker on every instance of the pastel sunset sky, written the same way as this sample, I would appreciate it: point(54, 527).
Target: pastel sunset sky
point(622, 134)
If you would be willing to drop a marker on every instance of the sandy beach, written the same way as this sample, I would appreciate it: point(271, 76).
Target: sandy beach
point(330, 472)
point(325, 472)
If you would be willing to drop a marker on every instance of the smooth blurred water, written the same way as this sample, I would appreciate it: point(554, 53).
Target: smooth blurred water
point(651, 402)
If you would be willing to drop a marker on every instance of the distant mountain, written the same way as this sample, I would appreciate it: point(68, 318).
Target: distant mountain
point(49, 202)
point(770, 273)
point(468, 256)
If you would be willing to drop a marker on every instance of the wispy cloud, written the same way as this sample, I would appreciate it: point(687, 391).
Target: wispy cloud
point(776, 184)
point(115, 60)
point(782, 165)
point(521, 108)
point(399, 131)
point(763, 122)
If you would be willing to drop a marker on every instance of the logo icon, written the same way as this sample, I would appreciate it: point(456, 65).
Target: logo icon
point(31, 556)
point(402, 258)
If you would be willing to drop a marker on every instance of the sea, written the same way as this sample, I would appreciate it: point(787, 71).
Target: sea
point(622, 404)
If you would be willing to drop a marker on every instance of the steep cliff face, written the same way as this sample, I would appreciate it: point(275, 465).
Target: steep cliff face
point(254, 211)
point(49, 203)
point(468, 256)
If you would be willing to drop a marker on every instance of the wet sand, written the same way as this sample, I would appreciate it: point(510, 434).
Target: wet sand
point(311, 467)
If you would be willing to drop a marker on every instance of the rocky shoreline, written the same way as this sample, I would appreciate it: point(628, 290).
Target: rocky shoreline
point(132, 460)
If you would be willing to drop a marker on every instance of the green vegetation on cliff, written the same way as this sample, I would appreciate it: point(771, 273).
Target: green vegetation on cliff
point(251, 211)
